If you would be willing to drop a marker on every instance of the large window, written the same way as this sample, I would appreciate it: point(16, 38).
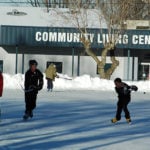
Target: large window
point(106, 67)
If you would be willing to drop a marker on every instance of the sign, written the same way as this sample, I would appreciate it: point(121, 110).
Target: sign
point(70, 37)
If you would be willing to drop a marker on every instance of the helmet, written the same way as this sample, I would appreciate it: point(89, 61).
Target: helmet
point(33, 62)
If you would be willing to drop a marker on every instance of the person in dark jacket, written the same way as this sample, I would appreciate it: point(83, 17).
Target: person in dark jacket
point(33, 83)
point(1, 84)
point(1, 87)
point(124, 97)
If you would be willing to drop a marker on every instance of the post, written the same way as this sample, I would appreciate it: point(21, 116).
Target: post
point(16, 70)
point(78, 69)
point(133, 67)
point(128, 67)
point(48, 4)
point(73, 61)
point(22, 63)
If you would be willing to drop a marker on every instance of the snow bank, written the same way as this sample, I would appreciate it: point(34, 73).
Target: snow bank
point(84, 82)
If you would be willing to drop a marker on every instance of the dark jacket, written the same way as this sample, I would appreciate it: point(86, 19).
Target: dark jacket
point(33, 80)
point(124, 92)
point(1, 84)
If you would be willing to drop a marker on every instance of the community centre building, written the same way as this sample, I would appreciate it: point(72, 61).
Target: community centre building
point(33, 33)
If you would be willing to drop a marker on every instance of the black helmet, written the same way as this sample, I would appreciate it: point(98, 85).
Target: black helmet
point(33, 62)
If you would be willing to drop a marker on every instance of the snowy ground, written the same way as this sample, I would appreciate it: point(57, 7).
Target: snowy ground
point(73, 119)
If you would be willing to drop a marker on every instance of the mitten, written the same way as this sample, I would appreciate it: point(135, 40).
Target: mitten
point(134, 88)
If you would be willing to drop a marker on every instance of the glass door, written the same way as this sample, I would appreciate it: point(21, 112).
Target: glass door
point(1, 65)
point(144, 71)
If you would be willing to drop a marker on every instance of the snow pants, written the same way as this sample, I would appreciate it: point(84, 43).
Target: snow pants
point(30, 101)
point(1, 84)
point(122, 105)
point(49, 83)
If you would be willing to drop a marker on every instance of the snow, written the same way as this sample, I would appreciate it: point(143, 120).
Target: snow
point(85, 82)
point(75, 116)
point(56, 17)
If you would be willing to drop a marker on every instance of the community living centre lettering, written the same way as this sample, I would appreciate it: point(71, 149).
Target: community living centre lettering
point(135, 39)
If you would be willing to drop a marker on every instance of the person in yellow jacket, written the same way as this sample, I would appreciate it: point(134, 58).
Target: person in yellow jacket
point(50, 73)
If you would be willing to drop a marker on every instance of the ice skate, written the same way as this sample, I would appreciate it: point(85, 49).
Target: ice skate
point(31, 114)
point(26, 116)
point(128, 120)
point(114, 120)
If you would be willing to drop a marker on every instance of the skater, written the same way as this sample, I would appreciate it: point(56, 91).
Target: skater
point(33, 83)
point(50, 73)
point(1, 87)
point(1, 84)
point(124, 97)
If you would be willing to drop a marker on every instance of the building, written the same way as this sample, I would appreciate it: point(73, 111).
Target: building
point(41, 33)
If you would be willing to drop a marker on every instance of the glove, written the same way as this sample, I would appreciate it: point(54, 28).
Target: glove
point(39, 88)
point(32, 87)
point(126, 90)
point(134, 88)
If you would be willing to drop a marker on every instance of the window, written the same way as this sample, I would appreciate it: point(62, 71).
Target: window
point(106, 67)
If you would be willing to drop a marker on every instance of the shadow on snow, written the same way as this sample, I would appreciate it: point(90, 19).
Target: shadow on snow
point(58, 125)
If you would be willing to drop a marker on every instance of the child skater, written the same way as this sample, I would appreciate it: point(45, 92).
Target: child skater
point(124, 97)
point(50, 76)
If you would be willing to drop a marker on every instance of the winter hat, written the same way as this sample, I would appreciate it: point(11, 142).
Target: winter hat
point(118, 80)
point(33, 62)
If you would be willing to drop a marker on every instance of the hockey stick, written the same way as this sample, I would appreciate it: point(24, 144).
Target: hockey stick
point(26, 91)
point(29, 90)
point(65, 78)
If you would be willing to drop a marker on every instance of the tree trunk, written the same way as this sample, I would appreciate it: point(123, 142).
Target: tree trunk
point(104, 74)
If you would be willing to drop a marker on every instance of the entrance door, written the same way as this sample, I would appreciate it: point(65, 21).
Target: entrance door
point(144, 71)
point(1, 65)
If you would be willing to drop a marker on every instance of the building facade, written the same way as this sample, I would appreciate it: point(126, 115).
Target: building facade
point(31, 33)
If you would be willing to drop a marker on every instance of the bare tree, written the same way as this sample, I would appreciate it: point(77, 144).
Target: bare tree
point(140, 10)
point(114, 13)
point(34, 3)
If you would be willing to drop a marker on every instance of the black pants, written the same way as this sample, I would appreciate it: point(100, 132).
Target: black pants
point(49, 83)
point(122, 105)
point(30, 101)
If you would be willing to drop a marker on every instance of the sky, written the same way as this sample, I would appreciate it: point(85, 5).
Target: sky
point(75, 116)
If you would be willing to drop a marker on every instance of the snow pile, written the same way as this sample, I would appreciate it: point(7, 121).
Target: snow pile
point(73, 120)
point(84, 82)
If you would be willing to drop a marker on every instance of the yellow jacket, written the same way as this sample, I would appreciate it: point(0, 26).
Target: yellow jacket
point(50, 72)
